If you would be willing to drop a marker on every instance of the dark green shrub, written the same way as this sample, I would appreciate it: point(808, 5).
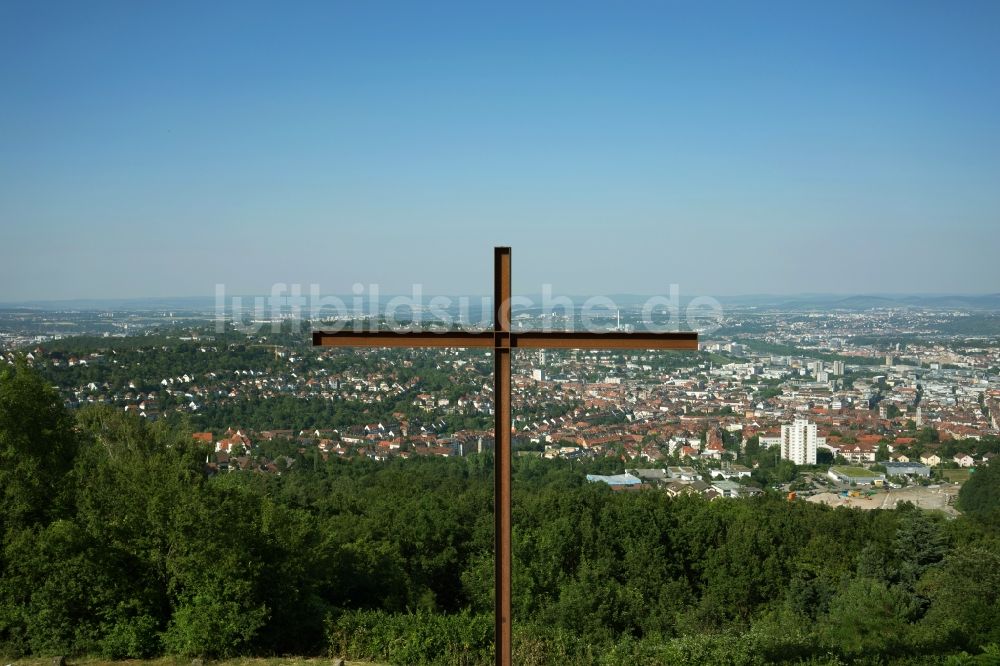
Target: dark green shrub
point(132, 638)
point(462, 639)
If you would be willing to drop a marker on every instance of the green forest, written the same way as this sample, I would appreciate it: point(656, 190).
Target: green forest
point(116, 543)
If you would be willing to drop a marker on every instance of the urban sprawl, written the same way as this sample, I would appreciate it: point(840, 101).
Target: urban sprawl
point(843, 406)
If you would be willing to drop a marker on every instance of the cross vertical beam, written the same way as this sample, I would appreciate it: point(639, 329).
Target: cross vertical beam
point(501, 454)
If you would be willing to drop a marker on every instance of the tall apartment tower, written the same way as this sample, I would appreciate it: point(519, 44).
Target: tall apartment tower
point(798, 442)
point(838, 368)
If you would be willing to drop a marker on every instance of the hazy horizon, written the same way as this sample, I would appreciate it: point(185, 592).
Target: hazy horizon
point(152, 150)
point(632, 298)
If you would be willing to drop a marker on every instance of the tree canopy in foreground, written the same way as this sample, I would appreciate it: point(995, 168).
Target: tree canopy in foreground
point(116, 543)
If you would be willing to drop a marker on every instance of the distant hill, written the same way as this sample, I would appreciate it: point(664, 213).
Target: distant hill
point(806, 302)
point(792, 302)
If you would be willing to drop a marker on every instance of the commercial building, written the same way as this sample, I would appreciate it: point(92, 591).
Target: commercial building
point(615, 480)
point(906, 469)
point(856, 475)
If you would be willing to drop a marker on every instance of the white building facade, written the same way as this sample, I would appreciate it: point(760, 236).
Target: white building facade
point(798, 442)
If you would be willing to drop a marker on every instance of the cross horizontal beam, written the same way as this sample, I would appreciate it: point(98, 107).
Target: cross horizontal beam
point(522, 340)
point(401, 339)
point(586, 340)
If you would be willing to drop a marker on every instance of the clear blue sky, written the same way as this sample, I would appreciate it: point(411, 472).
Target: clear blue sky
point(157, 148)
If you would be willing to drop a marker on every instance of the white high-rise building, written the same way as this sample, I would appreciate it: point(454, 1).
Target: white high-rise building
point(838, 368)
point(798, 442)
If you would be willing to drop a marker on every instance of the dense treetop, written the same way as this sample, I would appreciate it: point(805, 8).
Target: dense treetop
point(116, 542)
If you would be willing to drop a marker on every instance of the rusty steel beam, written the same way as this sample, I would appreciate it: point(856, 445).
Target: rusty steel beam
point(394, 339)
point(542, 340)
point(501, 455)
point(523, 339)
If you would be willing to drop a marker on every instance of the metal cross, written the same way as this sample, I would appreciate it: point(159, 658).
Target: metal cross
point(501, 339)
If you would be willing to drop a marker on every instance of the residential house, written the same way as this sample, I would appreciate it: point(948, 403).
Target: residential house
point(931, 459)
point(683, 473)
point(677, 488)
point(727, 488)
point(860, 452)
point(731, 472)
point(964, 460)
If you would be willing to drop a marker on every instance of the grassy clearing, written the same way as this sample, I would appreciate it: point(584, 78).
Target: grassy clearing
point(956, 475)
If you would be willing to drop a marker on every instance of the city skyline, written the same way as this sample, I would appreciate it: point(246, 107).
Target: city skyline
point(155, 151)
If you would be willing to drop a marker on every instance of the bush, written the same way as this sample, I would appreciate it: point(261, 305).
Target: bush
point(413, 638)
point(466, 640)
point(209, 627)
point(132, 638)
